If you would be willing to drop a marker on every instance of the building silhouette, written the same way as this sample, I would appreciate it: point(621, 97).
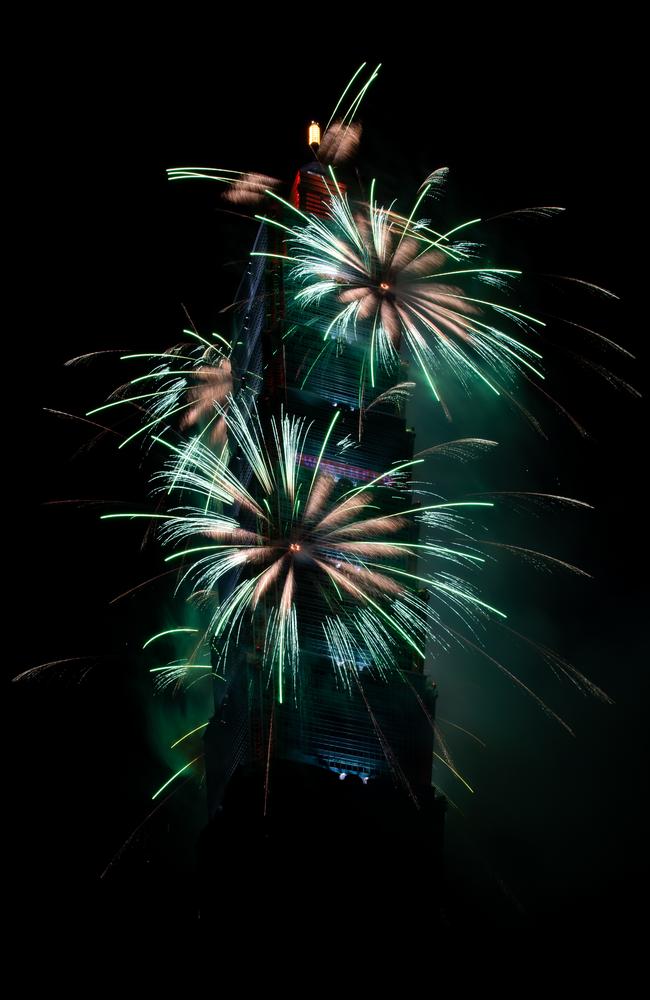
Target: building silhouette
point(333, 785)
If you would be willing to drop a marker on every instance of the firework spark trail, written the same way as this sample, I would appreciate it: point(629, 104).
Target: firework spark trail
point(516, 680)
point(176, 775)
point(439, 739)
point(140, 586)
point(397, 394)
point(575, 676)
point(242, 188)
point(455, 725)
point(32, 672)
point(116, 857)
point(453, 771)
point(445, 756)
point(82, 420)
point(388, 751)
point(541, 560)
point(536, 497)
point(168, 631)
point(267, 769)
point(462, 449)
point(197, 729)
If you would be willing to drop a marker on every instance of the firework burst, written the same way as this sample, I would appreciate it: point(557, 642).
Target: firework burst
point(297, 537)
point(181, 389)
point(398, 281)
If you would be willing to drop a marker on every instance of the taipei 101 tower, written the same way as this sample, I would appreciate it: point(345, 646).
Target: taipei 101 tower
point(335, 784)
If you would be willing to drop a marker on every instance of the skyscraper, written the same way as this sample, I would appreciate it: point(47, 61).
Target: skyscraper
point(334, 762)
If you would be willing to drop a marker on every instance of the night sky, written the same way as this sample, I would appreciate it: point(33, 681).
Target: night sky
point(554, 833)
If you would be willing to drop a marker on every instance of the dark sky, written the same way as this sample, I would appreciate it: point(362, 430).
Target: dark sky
point(555, 829)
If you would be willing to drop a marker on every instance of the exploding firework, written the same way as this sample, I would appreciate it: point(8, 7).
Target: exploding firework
point(397, 281)
point(340, 143)
point(249, 189)
point(297, 558)
point(182, 388)
point(300, 537)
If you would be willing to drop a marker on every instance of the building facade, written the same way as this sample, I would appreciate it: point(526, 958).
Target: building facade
point(332, 759)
